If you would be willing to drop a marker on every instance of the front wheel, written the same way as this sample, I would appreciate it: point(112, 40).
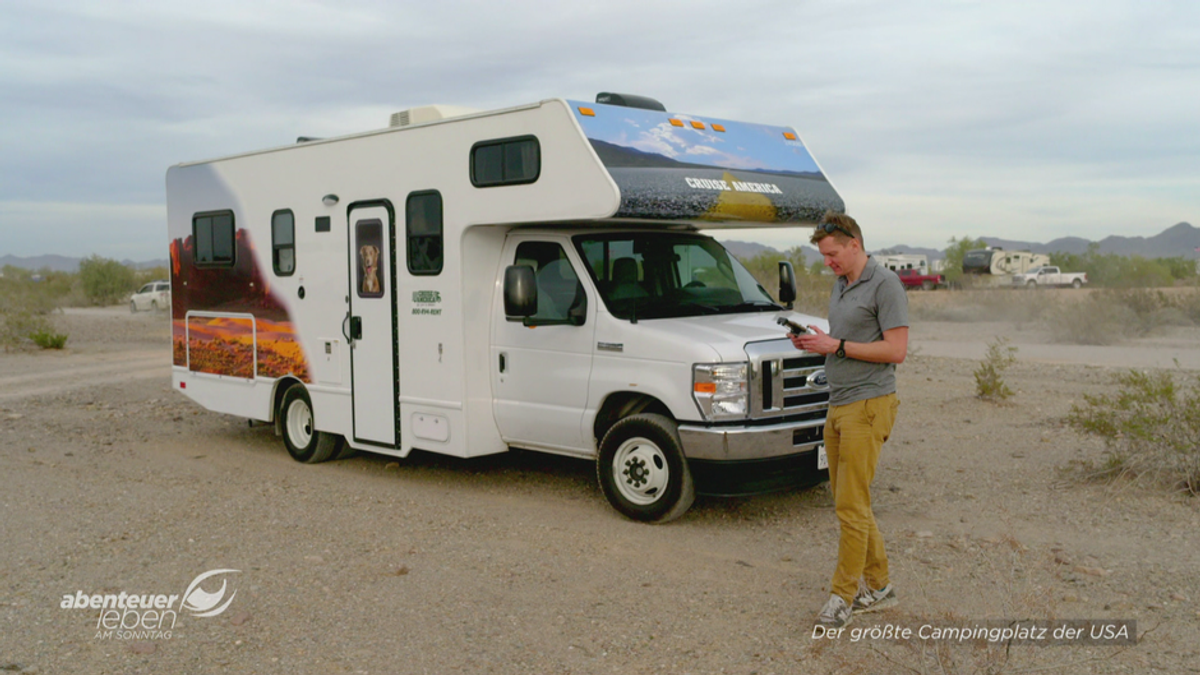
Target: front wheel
point(1031, 285)
point(642, 470)
point(304, 443)
point(132, 307)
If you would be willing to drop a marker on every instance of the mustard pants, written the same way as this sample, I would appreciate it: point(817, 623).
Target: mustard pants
point(854, 435)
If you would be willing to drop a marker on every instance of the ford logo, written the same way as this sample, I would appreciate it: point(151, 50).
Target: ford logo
point(818, 379)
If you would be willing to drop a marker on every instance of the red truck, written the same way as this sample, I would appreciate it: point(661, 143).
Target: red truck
point(913, 278)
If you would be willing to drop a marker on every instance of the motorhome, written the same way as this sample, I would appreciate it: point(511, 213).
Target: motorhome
point(535, 277)
point(904, 261)
point(994, 266)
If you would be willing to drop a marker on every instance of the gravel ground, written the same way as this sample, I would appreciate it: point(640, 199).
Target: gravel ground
point(516, 564)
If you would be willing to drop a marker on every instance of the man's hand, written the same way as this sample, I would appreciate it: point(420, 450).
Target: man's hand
point(816, 341)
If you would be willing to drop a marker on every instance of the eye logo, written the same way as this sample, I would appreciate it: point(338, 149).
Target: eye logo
point(203, 603)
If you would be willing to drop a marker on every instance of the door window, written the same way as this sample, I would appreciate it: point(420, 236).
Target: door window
point(368, 237)
point(561, 299)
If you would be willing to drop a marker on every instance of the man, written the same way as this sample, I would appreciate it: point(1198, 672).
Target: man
point(868, 336)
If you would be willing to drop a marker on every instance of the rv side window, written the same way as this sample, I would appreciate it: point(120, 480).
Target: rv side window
point(283, 243)
point(509, 161)
point(213, 235)
point(424, 232)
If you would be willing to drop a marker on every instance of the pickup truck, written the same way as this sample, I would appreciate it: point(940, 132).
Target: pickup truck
point(1049, 276)
point(913, 278)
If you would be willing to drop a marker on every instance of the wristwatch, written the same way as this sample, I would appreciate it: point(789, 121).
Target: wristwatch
point(841, 350)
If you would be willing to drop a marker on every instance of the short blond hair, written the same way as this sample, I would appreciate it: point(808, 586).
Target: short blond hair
point(846, 229)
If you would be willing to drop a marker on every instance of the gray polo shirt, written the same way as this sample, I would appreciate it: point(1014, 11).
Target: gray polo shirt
point(860, 312)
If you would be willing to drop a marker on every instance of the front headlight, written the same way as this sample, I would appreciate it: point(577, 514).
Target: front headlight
point(721, 390)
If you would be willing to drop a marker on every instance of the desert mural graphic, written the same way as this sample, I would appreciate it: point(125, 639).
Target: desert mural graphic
point(261, 345)
point(674, 166)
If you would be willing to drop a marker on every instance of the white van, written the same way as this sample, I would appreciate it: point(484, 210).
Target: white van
point(466, 282)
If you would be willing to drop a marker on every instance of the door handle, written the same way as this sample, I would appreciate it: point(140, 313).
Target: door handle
point(503, 362)
point(355, 328)
point(355, 332)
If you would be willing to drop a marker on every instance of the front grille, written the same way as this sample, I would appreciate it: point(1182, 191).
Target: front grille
point(782, 380)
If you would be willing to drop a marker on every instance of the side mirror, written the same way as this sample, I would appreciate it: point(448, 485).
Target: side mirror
point(520, 291)
point(787, 284)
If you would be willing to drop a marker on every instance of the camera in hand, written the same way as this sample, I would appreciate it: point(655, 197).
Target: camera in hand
point(793, 327)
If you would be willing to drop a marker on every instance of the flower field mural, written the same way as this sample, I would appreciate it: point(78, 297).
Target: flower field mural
point(237, 326)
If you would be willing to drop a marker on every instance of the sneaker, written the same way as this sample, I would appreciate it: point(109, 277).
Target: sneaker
point(835, 614)
point(868, 600)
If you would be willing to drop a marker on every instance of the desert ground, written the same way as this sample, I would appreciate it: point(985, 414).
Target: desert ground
point(515, 564)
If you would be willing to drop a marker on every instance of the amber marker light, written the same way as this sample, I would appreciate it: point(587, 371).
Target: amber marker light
point(718, 127)
point(676, 123)
point(697, 125)
point(706, 387)
point(789, 135)
point(588, 112)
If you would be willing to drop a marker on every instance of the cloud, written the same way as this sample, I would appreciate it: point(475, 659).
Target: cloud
point(932, 118)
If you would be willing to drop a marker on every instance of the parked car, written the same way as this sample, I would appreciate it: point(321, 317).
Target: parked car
point(915, 278)
point(1049, 276)
point(153, 297)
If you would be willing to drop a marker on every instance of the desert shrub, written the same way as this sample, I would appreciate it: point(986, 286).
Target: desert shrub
point(49, 339)
point(1095, 321)
point(952, 269)
point(143, 277)
point(990, 305)
point(1149, 425)
point(812, 287)
point(17, 327)
point(989, 376)
point(104, 281)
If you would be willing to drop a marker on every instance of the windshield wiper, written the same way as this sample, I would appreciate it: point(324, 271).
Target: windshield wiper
point(761, 305)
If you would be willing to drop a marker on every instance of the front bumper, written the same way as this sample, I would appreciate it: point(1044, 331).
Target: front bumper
point(750, 442)
point(744, 460)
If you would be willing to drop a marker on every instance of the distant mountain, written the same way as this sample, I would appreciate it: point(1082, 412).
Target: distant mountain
point(58, 263)
point(1181, 239)
point(744, 250)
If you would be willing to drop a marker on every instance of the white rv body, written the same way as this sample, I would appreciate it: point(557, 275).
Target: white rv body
point(317, 269)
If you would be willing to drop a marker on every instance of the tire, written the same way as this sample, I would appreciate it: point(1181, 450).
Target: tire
point(154, 306)
point(642, 470)
point(304, 443)
point(1077, 284)
point(132, 307)
point(927, 285)
point(1031, 285)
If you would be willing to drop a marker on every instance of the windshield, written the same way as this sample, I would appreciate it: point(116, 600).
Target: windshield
point(656, 275)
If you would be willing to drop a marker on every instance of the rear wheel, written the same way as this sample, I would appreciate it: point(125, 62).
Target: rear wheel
point(927, 285)
point(642, 470)
point(304, 443)
point(154, 306)
point(1077, 284)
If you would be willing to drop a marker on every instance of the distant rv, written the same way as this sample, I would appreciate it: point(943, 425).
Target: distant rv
point(995, 266)
point(905, 261)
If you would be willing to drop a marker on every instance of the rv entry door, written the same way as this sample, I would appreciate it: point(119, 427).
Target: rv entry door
point(374, 377)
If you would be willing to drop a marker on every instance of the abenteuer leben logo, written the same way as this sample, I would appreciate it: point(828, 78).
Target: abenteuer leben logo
point(152, 616)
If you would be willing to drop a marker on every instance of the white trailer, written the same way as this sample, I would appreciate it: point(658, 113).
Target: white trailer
point(530, 277)
point(904, 261)
point(995, 267)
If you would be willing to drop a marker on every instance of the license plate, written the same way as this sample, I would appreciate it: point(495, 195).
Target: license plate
point(822, 458)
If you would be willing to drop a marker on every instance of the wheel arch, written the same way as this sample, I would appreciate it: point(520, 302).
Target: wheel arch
point(281, 387)
point(621, 404)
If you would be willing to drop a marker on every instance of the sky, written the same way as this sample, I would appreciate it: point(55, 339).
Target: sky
point(935, 119)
